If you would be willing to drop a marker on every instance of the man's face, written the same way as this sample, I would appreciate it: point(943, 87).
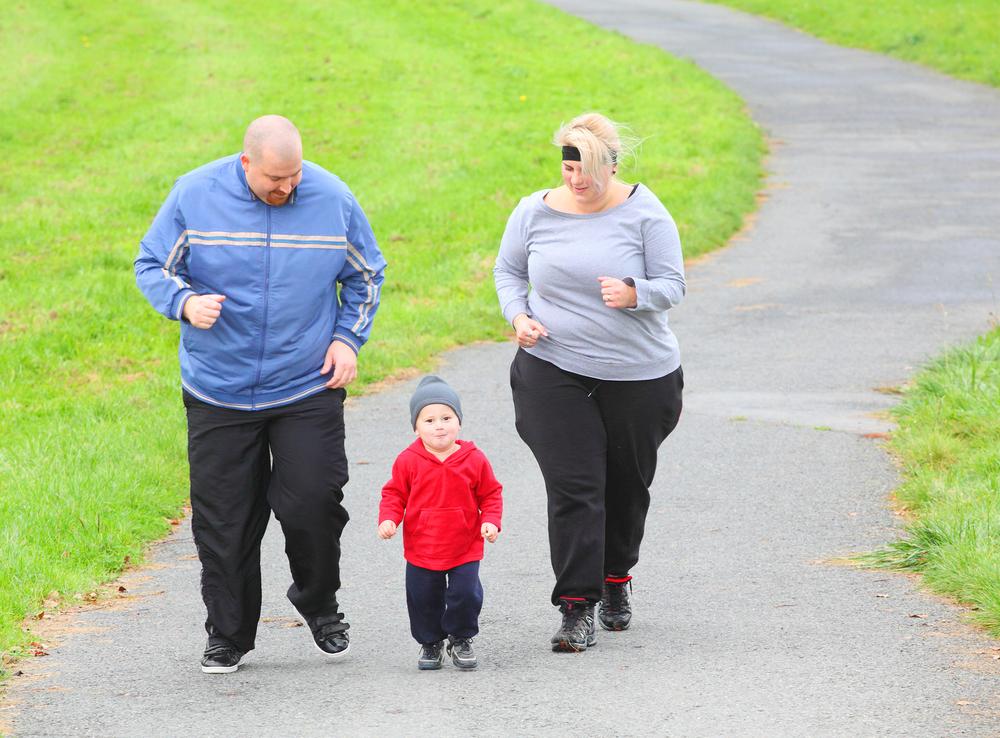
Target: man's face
point(272, 178)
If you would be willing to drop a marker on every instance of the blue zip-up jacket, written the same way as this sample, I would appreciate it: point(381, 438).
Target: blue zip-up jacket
point(279, 268)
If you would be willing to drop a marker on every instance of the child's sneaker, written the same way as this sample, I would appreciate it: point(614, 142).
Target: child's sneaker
point(462, 655)
point(431, 656)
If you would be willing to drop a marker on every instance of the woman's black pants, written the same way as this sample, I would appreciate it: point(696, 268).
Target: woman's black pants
point(245, 464)
point(595, 442)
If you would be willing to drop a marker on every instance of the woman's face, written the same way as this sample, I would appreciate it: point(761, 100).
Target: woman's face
point(582, 186)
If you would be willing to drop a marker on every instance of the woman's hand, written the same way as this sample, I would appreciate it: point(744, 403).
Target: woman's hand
point(386, 529)
point(528, 331)
point(616, 294)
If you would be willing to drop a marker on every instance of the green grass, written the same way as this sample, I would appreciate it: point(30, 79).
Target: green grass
point(437, 114)
point(948, 442)
point(957, 37)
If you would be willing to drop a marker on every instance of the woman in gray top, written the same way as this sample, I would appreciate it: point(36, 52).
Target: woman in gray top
point(585, 274)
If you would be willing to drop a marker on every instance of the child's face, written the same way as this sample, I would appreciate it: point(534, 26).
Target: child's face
point(437, 427)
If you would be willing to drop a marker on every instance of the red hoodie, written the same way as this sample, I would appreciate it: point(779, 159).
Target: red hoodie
point(446, 503)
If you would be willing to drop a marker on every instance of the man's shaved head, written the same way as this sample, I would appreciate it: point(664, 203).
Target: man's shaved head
point(273, 134)
point(272, 158)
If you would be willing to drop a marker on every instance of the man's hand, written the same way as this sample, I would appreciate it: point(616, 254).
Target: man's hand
point(202, 311)
point(344, 362)
point(528, 330)
point(489, 532)
point(616, 294)
point(386, 529)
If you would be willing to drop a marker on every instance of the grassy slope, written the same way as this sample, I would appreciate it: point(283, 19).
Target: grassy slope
point(958, 37)
point(949, 445)
point(437, 114)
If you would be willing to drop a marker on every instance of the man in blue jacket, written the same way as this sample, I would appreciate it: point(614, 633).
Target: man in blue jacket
point(273, 271)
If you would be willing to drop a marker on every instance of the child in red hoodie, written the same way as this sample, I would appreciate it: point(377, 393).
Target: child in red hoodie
point(451, 501)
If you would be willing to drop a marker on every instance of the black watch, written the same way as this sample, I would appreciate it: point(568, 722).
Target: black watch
point(629, 281)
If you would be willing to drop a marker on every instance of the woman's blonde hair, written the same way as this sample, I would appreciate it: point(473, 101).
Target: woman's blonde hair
point(601, 143)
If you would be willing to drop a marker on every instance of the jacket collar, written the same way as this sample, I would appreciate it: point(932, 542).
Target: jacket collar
point(464, 449)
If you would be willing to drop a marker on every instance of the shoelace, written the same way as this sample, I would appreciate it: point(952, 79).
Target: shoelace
point(577, 618)
point(617, 597)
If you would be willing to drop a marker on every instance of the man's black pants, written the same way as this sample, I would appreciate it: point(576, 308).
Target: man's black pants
point(443, 603)
point(595, 442)
point(234, 488)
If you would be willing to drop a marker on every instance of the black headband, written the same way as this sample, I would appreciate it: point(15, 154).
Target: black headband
point(572, 153)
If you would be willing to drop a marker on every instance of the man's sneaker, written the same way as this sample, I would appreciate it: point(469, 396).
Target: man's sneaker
point(222, 658)
point(616, 611)
point(577, 632)
point(329, 633)
point(431, 656)
point(462, 655)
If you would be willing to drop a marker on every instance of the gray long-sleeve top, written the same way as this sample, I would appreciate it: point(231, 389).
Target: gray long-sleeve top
point(548, 266)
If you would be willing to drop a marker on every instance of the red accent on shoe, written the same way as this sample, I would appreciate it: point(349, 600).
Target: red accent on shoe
point(618, 580)
point(574, 599)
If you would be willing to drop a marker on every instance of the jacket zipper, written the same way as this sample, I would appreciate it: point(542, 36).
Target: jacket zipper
point(263, 328)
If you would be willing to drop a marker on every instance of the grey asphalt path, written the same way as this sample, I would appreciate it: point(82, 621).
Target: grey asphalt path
point(877, 247)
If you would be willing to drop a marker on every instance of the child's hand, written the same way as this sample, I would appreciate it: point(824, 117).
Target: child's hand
point(490, 532)
point(386, 529)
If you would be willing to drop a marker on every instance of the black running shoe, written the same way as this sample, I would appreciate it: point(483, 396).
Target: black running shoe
point(577, 632)
point(431, 656)
point(221, 658)
point(616, 612)
point(462, 655)
point(329, 633)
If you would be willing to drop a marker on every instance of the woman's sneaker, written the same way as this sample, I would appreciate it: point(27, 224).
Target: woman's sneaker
point(431, 656)
point(462, 655)
point(616, 610)
point(577, 632)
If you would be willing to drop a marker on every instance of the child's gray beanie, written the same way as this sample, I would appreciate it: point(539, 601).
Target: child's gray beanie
point(433, 390)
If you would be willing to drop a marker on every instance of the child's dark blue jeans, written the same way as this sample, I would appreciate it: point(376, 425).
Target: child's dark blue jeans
point(443, 603)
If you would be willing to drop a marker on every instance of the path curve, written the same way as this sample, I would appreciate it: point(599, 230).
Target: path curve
point(873, 252)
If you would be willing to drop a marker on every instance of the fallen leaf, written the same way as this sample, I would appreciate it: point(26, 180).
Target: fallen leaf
point(122, 589)
point(917, 615)
point(875, 435)
point(881, 594)
point(175, 521)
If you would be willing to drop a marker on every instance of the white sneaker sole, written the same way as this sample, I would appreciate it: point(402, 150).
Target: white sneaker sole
point(222, 669)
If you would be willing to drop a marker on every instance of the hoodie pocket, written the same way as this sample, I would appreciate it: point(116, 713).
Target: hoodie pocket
point(442, 533)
